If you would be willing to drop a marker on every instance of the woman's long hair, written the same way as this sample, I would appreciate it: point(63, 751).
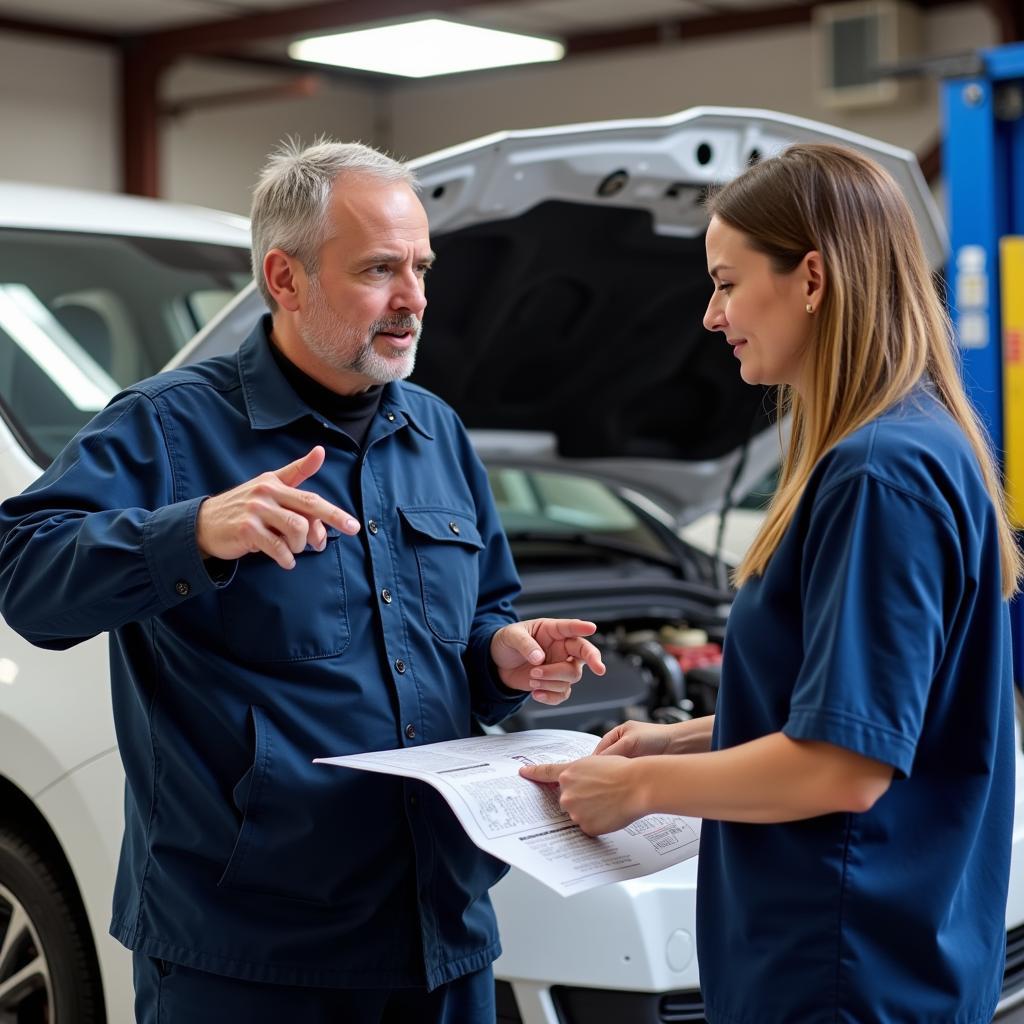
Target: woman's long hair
point(880, 328)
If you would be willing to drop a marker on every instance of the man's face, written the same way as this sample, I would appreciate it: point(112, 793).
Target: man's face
point(361, 315)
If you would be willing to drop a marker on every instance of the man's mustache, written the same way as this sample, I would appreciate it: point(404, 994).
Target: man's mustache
point(397, 325)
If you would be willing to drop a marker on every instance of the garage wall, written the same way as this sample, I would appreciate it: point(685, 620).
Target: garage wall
point(58, 114)
point(62, 126)
point(416, 118)
point(212, 157)
point(771, 71)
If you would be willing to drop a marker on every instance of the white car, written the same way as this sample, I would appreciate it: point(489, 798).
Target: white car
point(96, 292)
point(577, 248)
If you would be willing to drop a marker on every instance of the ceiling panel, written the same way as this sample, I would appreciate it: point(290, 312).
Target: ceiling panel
point(543, 16)
point(114, 16)
point(514, 17)
point(581, 15)
point(126, 16)
point(598, 13)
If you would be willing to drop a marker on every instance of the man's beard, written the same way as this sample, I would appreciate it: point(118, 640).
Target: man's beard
point(345, 348)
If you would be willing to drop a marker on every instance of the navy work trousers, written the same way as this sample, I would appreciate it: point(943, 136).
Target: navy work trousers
point(167, 993)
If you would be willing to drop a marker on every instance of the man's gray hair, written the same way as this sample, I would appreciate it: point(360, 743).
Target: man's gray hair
point(289, 204)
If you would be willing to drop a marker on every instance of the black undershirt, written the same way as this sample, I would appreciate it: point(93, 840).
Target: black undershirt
point(351, 413)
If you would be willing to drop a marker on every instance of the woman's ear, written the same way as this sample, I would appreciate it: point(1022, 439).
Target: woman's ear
point(812, 270)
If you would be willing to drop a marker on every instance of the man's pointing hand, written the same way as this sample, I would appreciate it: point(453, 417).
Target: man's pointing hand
point(270, 513)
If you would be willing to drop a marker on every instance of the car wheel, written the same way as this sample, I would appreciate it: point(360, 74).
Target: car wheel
point(47, 964)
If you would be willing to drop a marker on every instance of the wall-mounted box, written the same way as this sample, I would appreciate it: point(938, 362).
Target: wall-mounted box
point(856, 41)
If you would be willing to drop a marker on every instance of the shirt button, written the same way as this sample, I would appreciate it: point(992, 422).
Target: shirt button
point(400, 667)
point(390, 416)
point(454, 527)
point(183, 588)
point(386, 595)
point(372, 526)
point(410, 732)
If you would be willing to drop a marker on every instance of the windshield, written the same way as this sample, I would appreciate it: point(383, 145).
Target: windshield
point(83, 316)
point(547, 514)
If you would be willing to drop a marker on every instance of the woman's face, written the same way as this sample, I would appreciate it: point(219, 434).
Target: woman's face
point(762, 314)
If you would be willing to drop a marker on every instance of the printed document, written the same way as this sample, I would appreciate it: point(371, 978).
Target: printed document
point(521, 822)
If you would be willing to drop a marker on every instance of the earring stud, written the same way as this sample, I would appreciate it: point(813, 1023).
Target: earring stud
point(809, 308)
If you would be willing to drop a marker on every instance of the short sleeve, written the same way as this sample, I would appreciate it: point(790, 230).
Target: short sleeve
point(881, 571)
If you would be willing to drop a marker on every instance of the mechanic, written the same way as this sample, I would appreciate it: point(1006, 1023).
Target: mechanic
point(857, 780)
point(296, 554)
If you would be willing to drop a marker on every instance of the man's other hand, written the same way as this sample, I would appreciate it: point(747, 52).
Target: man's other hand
point(271, 514)
point(545, 657)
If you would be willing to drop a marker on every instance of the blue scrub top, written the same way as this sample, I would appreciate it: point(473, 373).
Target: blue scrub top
point(878, 626)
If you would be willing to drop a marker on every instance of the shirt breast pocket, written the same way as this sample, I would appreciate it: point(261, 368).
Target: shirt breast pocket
point(272, 614)
point(447, 545)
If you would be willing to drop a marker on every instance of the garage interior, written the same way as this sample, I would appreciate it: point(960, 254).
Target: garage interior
point(182, 100)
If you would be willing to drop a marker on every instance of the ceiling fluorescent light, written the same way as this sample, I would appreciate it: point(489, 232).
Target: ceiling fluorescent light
point(419, 49)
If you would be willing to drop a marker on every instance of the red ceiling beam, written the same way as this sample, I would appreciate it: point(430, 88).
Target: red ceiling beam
point(140, 122)
point(1009, 15)
point(931, 161)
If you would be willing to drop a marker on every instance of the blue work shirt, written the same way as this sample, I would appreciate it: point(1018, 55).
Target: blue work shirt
point(878, 626)
point(241, 856)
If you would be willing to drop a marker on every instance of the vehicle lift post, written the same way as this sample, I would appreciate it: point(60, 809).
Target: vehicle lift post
point(983, 164)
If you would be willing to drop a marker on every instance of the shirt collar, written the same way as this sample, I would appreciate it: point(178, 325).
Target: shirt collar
point(271, 401)
point(394, 401)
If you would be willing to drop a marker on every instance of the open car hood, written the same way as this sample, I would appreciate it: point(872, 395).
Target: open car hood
point(565, 309)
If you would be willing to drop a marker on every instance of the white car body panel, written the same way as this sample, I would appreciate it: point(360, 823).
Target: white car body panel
point(57, 742)
point(64, 209)
point(501, 175)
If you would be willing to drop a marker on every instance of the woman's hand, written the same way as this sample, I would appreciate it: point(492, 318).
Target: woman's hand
point(645, 739)
point(598, 793)
point(768, 780)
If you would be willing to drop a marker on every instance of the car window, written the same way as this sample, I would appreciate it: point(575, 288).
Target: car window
point(547, 506)
point(82, 316)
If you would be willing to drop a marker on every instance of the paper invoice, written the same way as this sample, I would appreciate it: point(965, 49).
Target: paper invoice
point(521, 822)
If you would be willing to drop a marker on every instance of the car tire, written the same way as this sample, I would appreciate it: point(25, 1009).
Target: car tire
point(48, 971)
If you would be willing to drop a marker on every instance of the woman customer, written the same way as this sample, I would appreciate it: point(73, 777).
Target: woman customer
point(857, 781)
